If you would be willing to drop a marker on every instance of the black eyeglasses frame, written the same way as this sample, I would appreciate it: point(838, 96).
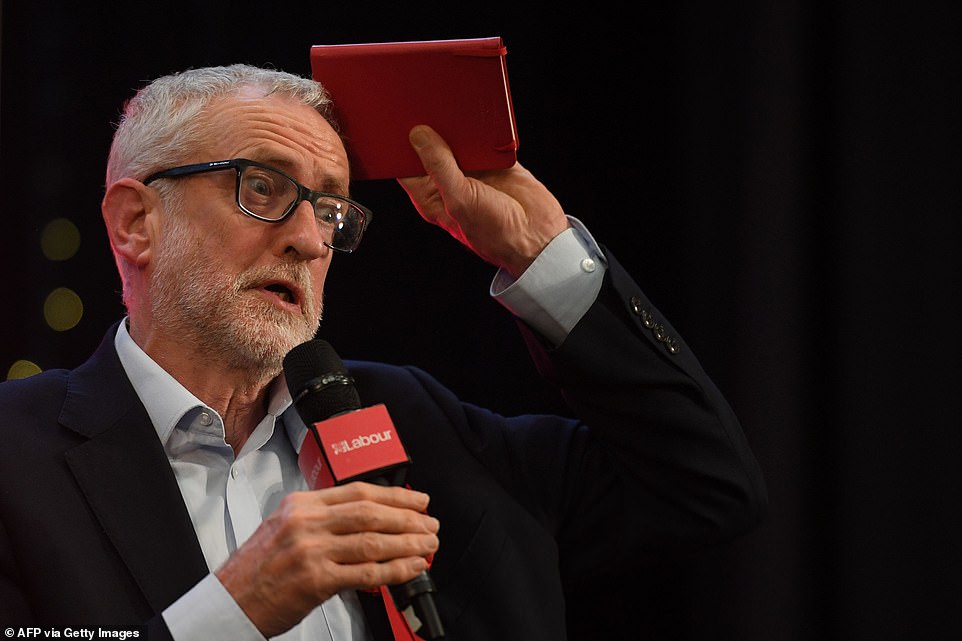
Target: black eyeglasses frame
point(303, 193)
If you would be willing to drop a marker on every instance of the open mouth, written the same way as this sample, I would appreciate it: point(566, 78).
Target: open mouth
point(282, 291)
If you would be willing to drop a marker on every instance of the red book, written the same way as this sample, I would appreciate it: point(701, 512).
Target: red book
point(380, 91)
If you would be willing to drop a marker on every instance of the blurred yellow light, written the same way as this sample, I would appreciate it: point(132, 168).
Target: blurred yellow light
point(22, 369)
point(60, 239)
point(63, 309)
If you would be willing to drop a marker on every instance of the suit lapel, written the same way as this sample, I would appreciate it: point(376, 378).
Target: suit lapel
point(127, 481)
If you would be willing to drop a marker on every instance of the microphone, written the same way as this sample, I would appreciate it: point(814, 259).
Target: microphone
point(348, 443)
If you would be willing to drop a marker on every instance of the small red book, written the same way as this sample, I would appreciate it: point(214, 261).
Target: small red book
point(380, 91)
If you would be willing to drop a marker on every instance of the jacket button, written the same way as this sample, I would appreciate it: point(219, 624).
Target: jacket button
point(673, 346)
point(660, 333)
point(647, 319)
point(635, 304)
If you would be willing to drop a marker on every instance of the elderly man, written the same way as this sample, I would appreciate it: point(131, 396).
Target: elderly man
point(157, 483)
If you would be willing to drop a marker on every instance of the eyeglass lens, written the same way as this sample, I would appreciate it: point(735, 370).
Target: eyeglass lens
point(270, 195)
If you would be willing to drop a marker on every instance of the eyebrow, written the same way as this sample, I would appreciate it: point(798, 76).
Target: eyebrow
point(330, 184)
point(334, 186)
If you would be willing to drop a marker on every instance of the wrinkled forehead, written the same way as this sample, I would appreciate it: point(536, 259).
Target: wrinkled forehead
point(275, 129)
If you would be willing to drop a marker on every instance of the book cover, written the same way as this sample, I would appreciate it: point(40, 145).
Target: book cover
point(381, 90)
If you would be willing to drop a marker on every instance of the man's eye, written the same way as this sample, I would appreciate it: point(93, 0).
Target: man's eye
point(260, 185)
point(328, 213)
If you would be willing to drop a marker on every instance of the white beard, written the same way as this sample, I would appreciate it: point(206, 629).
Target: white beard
point(194, 298)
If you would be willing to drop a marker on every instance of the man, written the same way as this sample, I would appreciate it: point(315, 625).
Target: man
point(158, 481)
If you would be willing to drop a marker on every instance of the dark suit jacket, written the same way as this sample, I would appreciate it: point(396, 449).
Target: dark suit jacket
point(93, 530)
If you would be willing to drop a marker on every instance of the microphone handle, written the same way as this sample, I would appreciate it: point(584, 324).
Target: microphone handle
point(418, 594)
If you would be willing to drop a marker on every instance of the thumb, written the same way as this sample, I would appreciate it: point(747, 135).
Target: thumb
point(437, 158)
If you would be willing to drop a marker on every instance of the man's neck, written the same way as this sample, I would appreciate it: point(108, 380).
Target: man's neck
point(238, 394)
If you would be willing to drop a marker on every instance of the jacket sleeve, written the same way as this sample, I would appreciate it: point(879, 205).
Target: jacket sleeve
point(660, 461)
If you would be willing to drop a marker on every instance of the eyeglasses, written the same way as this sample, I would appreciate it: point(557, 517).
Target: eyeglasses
point(268, 194)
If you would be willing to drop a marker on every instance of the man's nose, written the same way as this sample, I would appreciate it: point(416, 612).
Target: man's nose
point(300, 234)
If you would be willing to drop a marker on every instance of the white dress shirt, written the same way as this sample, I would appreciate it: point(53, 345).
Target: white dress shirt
point(228, 497)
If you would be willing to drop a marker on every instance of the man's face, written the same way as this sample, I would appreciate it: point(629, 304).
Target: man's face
point(240, 290)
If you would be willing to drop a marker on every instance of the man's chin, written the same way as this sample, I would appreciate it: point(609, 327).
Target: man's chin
point(253, 337)
point(265, 347)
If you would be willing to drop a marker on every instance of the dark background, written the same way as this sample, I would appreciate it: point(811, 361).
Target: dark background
point(783, 178)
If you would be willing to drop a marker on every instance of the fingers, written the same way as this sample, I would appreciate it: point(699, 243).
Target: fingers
point(384, 495)
point(433, 194)
point(379, 547)
point(321, 542)
point(435, 155)
point(357, 523)
point(506, 217)
point(357, 509)
point(367, 576)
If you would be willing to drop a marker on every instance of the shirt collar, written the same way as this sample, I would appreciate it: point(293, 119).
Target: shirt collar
point(167, 401)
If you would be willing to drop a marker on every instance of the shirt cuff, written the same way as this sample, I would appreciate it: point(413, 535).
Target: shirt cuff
point(558, 287)
point(208, 611)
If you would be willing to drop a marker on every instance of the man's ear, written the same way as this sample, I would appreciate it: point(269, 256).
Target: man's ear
point(130, 212)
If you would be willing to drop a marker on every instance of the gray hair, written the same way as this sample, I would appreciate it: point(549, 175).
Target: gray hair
point(163, 121)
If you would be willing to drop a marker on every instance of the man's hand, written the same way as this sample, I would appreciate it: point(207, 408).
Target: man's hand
point(506, 217)
point(318, 543)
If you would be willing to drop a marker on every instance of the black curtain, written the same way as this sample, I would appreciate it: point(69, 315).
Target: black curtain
point(782, 177)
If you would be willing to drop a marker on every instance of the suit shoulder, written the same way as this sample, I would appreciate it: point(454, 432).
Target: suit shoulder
point(34, 392)
point(385, 375)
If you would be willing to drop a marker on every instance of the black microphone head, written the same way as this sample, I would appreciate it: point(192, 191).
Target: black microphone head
point(319, 382)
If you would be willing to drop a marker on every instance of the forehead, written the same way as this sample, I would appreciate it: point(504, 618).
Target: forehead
point(278, 130)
